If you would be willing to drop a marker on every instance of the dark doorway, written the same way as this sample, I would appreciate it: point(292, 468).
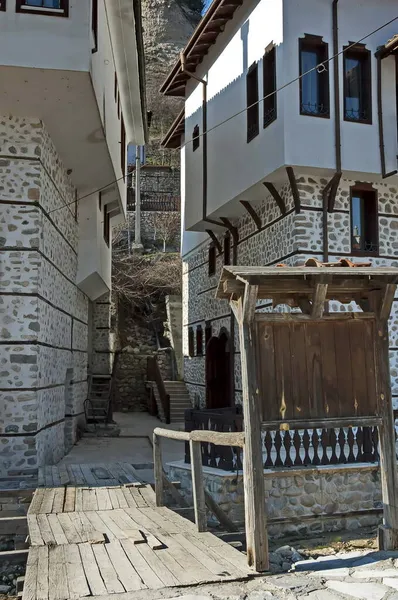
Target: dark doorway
point(218, 372)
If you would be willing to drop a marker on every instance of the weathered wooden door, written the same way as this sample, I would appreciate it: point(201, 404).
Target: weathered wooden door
point(218, 373)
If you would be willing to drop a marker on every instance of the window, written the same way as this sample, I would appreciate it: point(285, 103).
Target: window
point(2, 4)
point(252, 102)
point(195, 138)
point(191, 342)
point(199, 341)
point(269, 86)
point(208, 333)
point(227, 249)
point(100, 201)
point(107, 225)
point(58, 8)
point(314, 87)
point(123, 147)
point(94, 24)
point(364, 221)
point(357, 85)
point(212, 259)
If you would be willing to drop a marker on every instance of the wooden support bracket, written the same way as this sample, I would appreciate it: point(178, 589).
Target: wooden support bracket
point(214, 239)
point(276, 196)
point(294, 188)
point(318, 301)
point(333, 191)
point(386, 301)
point(248, 207)
point(231, 228)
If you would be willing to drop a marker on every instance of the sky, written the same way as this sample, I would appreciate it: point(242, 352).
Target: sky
point(207, 4)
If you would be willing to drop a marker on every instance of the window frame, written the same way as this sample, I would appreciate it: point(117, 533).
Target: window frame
point(191, 342)
point(227, 249)
point(212, 260)
point(252, 112)
point(22, 7)
point(359, 50)
point(94, 24)
point(107, 225)
point(316, 42)
point(195, 138)
point(269, 104)
point(362, 190)
point(199, 340)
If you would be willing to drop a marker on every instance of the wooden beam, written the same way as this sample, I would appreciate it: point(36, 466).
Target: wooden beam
point(248, 207)
point(333, 191)
point(231, 228)
point(318, 300)
point(386, 301)
point(224, 520)
point(158, 469)
point(13, 526)
point(219, 438)
point(294, 188)
point(276, 196)
point(175, 494)
point(388, 534)
point(214, 239)
point(334, 423)
point(337, 316)
point(198, 490)
point(253, 469)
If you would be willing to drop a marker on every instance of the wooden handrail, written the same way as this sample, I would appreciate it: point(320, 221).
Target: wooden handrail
point(154, 374)
point(211, 437)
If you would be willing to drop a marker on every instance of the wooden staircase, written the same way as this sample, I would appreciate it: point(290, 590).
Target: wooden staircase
point(179, 400)
point(99, 398)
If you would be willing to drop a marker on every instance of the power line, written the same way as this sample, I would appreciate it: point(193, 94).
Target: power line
point(323, 63)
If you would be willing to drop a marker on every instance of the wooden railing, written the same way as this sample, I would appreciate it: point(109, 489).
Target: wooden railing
point(307, 446)
point(154, 374)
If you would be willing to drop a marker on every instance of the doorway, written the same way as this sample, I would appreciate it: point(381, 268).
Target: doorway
point(218, 372)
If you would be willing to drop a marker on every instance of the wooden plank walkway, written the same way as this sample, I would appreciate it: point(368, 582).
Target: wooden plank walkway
point(113, 540)
point(93, 475)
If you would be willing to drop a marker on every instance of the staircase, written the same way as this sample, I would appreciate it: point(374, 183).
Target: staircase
point(99, 398)
point(179, 400)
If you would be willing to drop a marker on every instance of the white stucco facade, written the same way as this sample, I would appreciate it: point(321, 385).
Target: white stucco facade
point(70, 103)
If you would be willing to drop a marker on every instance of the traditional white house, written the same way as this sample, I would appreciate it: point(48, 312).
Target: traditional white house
point(71, 100)
point(289, 151)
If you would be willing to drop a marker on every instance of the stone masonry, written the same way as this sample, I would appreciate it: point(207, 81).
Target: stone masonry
point(43, 355)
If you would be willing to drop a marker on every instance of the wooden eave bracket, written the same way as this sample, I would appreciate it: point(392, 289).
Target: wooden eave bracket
point(386, 300)
point(276, 196)
point(234, 231)
point(248, 207)
point(294, 188)
point(318, 300)
point(214, 239)
point(330, 191)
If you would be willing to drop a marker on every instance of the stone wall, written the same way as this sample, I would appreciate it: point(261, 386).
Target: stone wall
point(298, 501)
point(154, 226)
point(43, 314)
point(291, 239)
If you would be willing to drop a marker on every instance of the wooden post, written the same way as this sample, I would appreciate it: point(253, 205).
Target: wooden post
point(158, 469)
point(253, 470)
point(197, 485)
point(388, 532)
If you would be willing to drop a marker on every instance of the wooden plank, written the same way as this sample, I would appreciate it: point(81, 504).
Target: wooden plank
point(130, 471)
point(91, 570)
point(368, 336)
point(114, 498)
point(125, 570)
point(161, 570)
point(198, 485)
point(89, 499)
point(69, 504)
point(121, 498)
point(34, 507)
point(78, 499)
point(90, 479)
point(57, 579)
point(202, 555)
point(48, 501)
point(59, 497)
point(131, 503)
point(223, 554)
point(107, 570)
point(41, 480)
point(56, 476)
point(56, 528)
point(120, 474)
point(63, 474)
point(255, 515)
point(318, 300)
point(99, 525)
point(144, 522)
point(158, 469)
point(42, 569)
point(106, 517)
point(360, 397)
point(283, 371)
point(266, 370)
point(329, 370)
point(386, 301)
point(126, 525)
point(224, 520)
point(197, 572)
point(103, 499)
point(139, 500)
point(299, 373)
point(48, 474)
point(34, 531)
point(77, 475)
point(144, 570)
point(153, 542)
point(159, 520)
point(29, 591)
point(69, 528)
point(78, 587)
point(314, 372)
point(343, 369)
point(148, 495)
point(172, 435)
point(45, 530)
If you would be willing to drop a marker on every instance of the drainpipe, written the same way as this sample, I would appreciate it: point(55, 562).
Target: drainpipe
point(384, 174)
point(204, 129)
